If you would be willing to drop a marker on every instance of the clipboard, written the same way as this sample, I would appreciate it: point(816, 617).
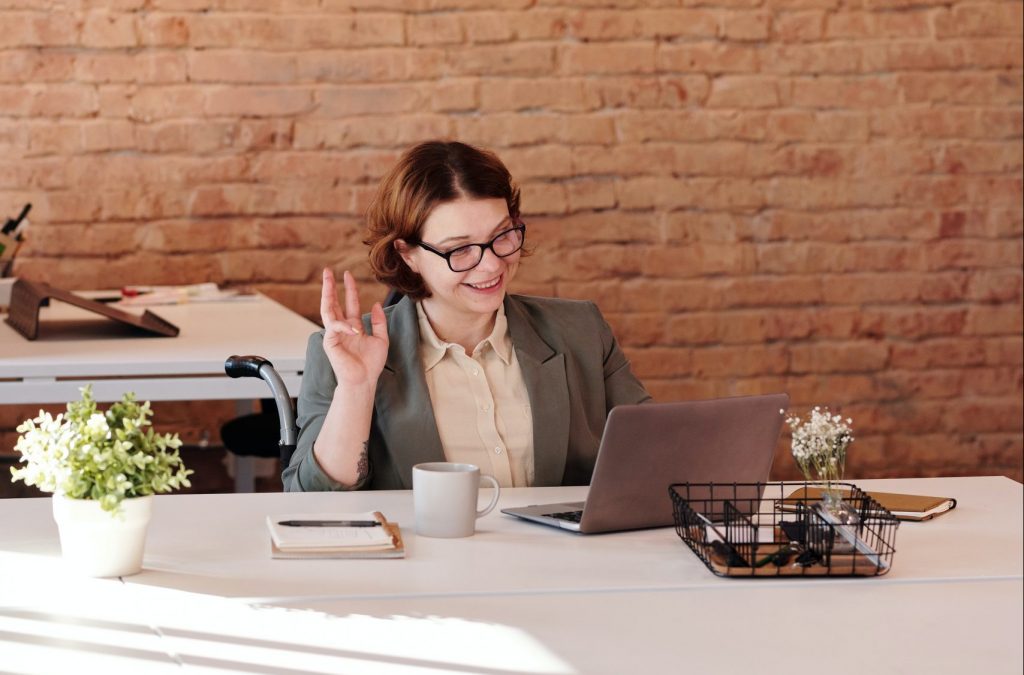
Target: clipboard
point(28, 296)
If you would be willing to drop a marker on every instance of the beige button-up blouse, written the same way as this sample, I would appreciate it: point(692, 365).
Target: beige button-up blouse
point(481, 406)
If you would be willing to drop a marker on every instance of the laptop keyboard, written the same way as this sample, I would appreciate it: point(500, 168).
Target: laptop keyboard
point(571, 516)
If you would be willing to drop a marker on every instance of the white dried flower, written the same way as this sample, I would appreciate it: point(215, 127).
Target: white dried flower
point(819, 444)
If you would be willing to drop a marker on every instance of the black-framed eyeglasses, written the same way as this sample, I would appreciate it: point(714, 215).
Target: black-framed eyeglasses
point(465, 258)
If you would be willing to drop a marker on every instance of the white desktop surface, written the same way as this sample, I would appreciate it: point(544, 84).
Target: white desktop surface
point(516, 597)
point(187, 367)
point(218, 544)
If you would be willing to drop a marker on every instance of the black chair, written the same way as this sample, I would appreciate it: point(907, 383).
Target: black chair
point(257, 435)
point(252, 436)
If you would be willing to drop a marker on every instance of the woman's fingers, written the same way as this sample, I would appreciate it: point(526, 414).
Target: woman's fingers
point(329, 309)
point(378, 322)
point(342, 328)
point(352, 312)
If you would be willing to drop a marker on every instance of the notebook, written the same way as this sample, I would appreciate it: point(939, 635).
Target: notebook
point(905, 507)
point(647, 447)
point(334, 535)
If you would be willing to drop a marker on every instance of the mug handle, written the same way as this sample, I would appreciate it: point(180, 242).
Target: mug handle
point(494, 499)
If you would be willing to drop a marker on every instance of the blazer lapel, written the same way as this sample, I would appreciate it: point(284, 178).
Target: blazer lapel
point(544, 375)
point(404, 414)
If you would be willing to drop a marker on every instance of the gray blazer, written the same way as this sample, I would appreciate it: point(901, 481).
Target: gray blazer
point(574, 372)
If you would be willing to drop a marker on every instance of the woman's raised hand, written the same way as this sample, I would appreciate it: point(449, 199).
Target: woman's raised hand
point(357, 358)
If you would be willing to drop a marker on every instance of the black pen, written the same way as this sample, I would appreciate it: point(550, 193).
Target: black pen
point(329, 523)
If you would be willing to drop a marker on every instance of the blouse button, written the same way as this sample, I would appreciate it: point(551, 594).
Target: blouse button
point(497, 450)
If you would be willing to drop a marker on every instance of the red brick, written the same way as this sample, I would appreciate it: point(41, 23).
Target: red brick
point(296, 31)
point(366, 100)
point(708, 57)
point(165, 30)
point(1003, 351)
point(153, 103)
point(110, 29)
point(591, 193)
point(995, 286)
point(814, 59)
point(605, 227)
point(839, 357)
point(107, 135)
point(538, 162)
point(899, 385)
point(651, 92)
point(769, 291)
point(939, 352)
point(39, 29)
point(348, 167)
point(26, 65)
point(984, 415)
point(979, 19)
point(600, 59)
point(64, 100)
point(995, 53)
point(749, 26)
point(968, 254)
point(961, 88)
point(994, 320)
point(454, 95)
point(638, 330)
point(916, 56)
point(434, 29)
point(218, 65)
point(738, 91)
point(998, 381)
point(598, 261)
point(103, 239)
point(618, 24)
point(738, 361)
point(806, 391)
point(931, 123)
point(546, 94)
point(877, 25)
point(628, 160)
point(684, 389)
point(799, 26)
point(512, 59)
point(543, 198)
point(990, 157)
point(539, 23)
point(487, 27)
point(261, 101)
point(700, 259)
point(660, 362)
point(837, 92)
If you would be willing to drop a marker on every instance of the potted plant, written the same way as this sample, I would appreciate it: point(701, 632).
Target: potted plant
point(103, 469)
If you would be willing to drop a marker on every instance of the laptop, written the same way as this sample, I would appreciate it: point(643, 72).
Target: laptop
point(647, 447)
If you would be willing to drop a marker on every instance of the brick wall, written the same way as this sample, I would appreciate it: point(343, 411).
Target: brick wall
point(818, 196)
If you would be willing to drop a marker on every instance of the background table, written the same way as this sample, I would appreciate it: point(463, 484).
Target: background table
point(82, 347)
point(516, 597)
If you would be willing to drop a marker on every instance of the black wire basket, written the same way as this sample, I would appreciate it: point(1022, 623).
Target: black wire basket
point(783, 529)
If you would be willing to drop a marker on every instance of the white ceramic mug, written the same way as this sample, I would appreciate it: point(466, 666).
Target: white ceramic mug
point(445, 497)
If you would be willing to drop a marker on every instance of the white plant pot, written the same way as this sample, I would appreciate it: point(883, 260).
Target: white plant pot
point(97, 543)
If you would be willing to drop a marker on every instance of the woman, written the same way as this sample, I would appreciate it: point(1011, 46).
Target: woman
point(458, 370)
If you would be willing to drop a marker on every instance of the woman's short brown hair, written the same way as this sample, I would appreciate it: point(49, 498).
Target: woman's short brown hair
point(428, 174)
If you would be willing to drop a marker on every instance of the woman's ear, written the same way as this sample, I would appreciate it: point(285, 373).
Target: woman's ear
point(405, 251)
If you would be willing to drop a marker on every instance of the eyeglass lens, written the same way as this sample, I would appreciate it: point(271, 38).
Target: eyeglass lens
point(467, 257)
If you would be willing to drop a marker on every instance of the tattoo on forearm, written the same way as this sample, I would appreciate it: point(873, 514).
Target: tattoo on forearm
point(363, 467)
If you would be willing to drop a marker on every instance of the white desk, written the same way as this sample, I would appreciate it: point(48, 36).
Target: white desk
point(187, 367)
point(516, 597)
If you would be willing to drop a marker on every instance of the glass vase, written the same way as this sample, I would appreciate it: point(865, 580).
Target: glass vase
point(839, 513)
